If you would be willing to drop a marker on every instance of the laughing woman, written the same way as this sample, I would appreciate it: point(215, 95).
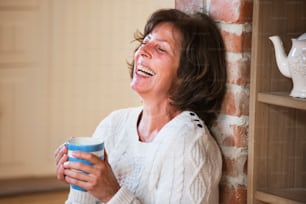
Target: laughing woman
point(162, 152)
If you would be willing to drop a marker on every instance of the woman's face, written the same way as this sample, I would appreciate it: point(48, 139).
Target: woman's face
point(156, 62)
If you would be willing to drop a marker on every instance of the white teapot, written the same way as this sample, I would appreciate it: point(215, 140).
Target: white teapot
point(293, 66)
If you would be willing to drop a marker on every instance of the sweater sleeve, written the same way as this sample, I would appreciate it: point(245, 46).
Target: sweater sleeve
point(80, 197)
point(124, 196)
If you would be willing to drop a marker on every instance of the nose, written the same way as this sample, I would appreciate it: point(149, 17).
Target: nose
point(145, 50)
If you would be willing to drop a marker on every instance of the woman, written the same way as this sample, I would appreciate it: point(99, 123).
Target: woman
point(162, 152)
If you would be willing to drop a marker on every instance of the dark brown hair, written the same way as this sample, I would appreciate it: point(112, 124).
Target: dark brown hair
point(201, 76)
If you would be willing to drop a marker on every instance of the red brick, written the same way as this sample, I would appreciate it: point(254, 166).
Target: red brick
point(231, 136)
point(229, 105)
point(238, 72)
point(231, 132)
point(233, 195)
point(234, 167)
point(236, 103)
point(189, 6)
point(240, 135)
point(246, 11)
point(238, 138)
point(237, 43)
point(228, 141)
point(231, 11)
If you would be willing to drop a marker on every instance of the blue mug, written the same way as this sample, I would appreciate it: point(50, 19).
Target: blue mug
point(84, 144)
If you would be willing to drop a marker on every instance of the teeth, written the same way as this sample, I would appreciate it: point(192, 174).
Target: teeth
point(142, 69)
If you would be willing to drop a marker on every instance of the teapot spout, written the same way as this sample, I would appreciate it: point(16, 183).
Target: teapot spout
point(281, 57)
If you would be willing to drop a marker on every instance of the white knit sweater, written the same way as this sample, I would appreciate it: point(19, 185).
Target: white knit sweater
point(181, 165)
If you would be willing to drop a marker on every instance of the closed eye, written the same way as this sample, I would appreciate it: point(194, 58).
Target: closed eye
point(161, 49)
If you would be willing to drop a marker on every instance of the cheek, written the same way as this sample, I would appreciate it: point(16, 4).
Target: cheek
point(170, 76)
point(135, 59)
point(136, 54)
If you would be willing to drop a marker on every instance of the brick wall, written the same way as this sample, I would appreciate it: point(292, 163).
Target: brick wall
point(234, 18)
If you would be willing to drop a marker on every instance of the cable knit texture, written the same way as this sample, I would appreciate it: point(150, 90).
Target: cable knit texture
point(181, 165)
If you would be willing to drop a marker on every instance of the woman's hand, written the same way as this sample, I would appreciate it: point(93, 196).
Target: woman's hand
point(60, 157)
point(99, 178)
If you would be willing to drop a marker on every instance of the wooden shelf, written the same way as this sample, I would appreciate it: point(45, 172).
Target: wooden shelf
point(277, 124)
point(55, 197)
point(288, 195)
point(22, 186)
point(282, 99)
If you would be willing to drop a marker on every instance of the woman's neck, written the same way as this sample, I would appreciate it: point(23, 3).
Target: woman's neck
point(152, 119)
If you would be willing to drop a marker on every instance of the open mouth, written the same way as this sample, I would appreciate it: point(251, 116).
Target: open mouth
point(144, 71)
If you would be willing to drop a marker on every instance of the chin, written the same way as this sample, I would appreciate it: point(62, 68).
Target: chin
point(134, 87)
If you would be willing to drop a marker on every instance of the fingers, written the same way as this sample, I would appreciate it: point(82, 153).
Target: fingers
point(78, 167)
point(59, 153)
point(56, 152)
point(75, 169)
point(60, 173)
point(92, 158)
point(78, 179)
point(60, 156)
point(98, 179)
point(62, 160)
point(79, 174)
